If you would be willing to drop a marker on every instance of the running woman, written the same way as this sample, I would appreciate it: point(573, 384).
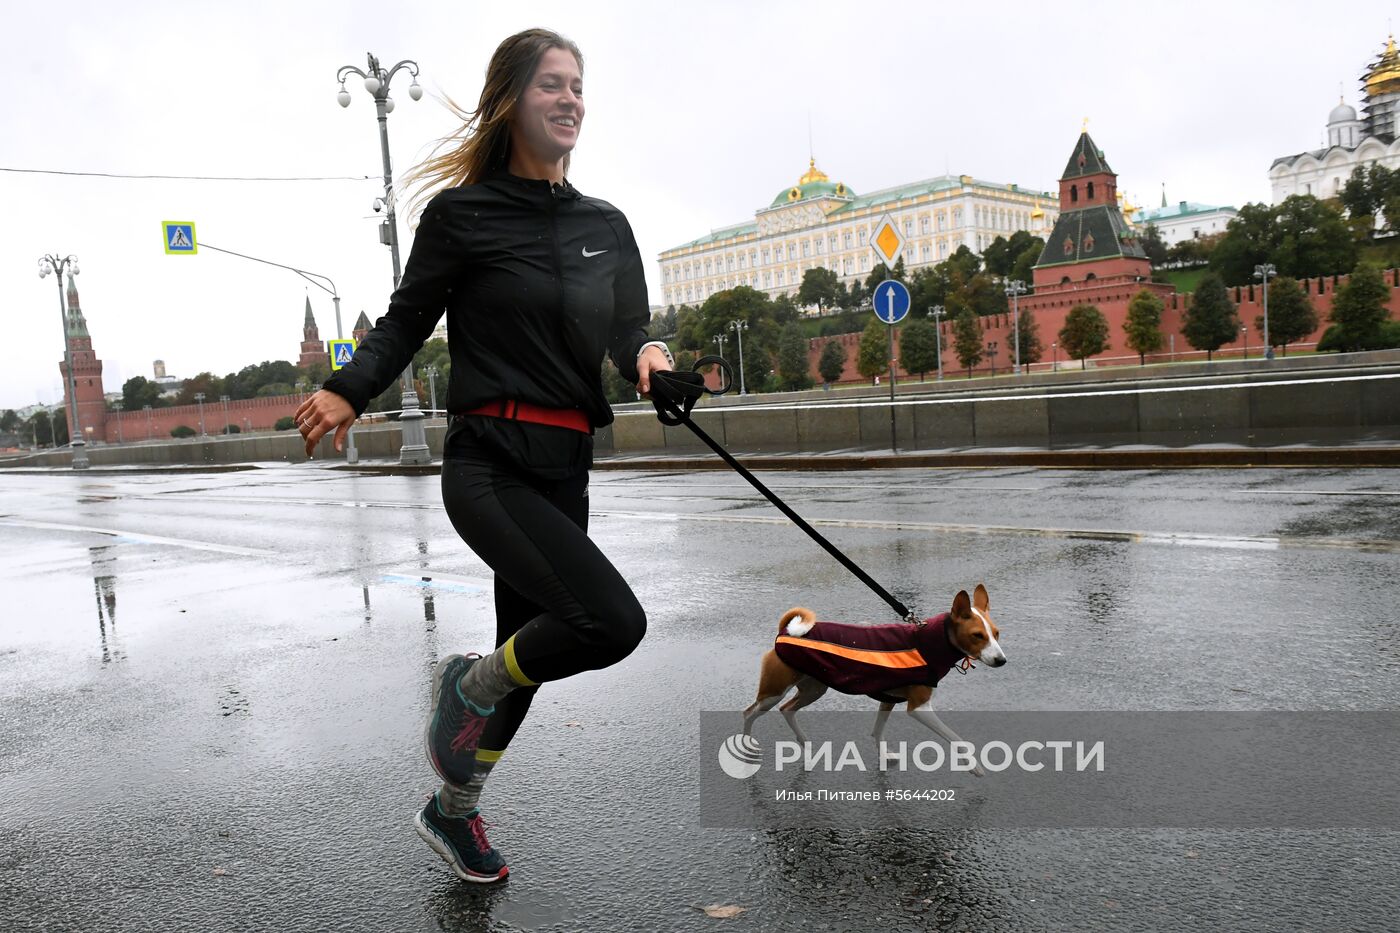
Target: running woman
point(538, 282)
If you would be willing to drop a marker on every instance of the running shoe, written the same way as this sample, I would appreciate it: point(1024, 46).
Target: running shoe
point(454, 722)
point(462, 843)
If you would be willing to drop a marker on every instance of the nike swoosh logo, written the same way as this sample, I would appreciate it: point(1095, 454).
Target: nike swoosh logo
point(588, 255)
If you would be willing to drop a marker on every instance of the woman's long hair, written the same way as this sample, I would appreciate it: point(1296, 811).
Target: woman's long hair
point(483, 141)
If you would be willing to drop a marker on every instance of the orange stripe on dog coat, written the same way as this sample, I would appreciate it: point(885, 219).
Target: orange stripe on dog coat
point(863, 655)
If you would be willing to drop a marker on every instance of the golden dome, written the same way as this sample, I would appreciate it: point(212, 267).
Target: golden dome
point(813, 174)
point(1384, 76)
point(1037, 214)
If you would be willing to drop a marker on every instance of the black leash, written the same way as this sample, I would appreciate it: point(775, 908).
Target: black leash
point(674, 394)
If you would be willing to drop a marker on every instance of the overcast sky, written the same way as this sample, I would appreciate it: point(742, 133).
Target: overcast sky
point(697, 115)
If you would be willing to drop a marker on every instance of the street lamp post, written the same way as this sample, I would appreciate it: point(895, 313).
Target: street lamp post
point(224, 400)
point(937, 312)
point(432, 373)
point(1055, 349)
point(377, 80)
point(147, 410)
point(739, 328)
point(719, 339)
point(1264, 272)
point(118, 406)
point(1244, 335)
point(51, 264)
point(1014, 289)
point(992, 355)
point(199, 397)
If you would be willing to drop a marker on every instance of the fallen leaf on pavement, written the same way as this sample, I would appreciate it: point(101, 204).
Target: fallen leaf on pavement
point(723, 911)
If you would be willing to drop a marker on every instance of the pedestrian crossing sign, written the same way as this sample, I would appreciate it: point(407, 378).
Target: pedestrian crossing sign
point(179, 237)
point(341, 352)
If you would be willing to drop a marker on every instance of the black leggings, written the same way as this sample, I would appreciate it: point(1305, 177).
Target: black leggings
point(565, 603)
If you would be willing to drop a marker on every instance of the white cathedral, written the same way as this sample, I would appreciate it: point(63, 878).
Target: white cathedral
point(1352, 140)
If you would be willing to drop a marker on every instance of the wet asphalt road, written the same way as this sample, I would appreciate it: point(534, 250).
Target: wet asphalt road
point(212, 689)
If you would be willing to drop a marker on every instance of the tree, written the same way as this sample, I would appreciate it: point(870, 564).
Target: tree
point(918, 347)
point(873, 356)
point(1031, 348)
point(1369, 194)
point(1004, 257)
point(1154, 246)
point(663, 325)
point(208, 383)
point(1358, 312)
point(1143, 325)
point(820, 287)
point(793, 366)
point(1302, 237)
point(9, 421)
point(882, 272)
point(1024, 266)
point(1084, 334)
point(285, 423)
point(616, 388)
point(967, 338)
point(1210, 321)
point(1291, 313)
point(832, 363)
point(138, 392)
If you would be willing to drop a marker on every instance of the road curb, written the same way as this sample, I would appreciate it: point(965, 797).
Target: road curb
point(1269, 457)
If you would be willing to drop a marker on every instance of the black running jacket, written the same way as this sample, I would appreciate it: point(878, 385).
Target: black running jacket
point(538, 282)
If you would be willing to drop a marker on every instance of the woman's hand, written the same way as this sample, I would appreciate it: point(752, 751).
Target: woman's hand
point(652, 360)
point(321, 413)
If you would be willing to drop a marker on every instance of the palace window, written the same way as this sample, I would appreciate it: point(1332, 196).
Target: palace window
point(957, 217)
point(1069, 246)
point(909, 228)
point(926, 252)
point(942, 220)
point(860, 235)
point(923, 224)
point(847, 239)
point(806, 248)
point(792, 250)
point(1088, 242)
point(1091, 191)
point(765, 255)
point(768, 280)
point(1074, 194)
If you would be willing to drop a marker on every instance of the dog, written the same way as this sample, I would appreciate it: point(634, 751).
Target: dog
point(898, 663)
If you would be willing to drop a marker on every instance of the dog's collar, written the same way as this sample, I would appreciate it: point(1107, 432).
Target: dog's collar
point(964, 665)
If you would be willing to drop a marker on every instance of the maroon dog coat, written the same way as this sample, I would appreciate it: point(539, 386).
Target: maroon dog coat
point(872, 659)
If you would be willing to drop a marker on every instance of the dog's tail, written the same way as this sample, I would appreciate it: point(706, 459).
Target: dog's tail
point(787, 625)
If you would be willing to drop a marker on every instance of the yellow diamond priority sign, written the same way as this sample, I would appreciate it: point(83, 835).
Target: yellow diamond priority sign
point(887, 241)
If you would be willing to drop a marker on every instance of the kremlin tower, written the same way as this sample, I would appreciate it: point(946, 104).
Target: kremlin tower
point(87, 373)
point(312, 350)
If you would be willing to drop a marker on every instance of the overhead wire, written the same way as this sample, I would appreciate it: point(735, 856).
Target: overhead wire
point(47, 171)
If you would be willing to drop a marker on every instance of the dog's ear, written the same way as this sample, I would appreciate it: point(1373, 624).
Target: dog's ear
point(962, 606)
point(979, 598)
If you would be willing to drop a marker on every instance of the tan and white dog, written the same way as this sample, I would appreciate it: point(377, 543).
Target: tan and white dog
point(898, 663)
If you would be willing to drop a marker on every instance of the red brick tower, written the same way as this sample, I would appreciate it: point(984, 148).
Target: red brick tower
point(87, 374)
point(362, 327)
point(1092, 256)
point(312, 350)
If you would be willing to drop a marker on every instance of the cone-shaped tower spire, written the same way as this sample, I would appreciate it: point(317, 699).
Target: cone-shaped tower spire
point(77, 324)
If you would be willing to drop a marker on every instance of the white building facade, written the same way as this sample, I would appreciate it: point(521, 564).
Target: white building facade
point(820, 223)
point(1353, 141)
point(1185, 220)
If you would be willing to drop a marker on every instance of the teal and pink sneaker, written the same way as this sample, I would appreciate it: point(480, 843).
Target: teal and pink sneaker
point(462, 843)
point(454, 722)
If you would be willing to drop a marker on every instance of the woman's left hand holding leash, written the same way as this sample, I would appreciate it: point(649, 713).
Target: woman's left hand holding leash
point(652, 360)
point(320, 414)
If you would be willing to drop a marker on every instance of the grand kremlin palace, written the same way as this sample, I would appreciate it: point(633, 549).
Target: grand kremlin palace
point(818, 222)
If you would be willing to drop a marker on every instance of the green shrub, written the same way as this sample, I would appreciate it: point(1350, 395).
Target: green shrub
point(232, 429)
point(284, 424)
point(181, 430)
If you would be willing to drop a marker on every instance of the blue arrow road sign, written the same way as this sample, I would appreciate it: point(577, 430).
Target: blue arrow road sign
point(891, 301)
